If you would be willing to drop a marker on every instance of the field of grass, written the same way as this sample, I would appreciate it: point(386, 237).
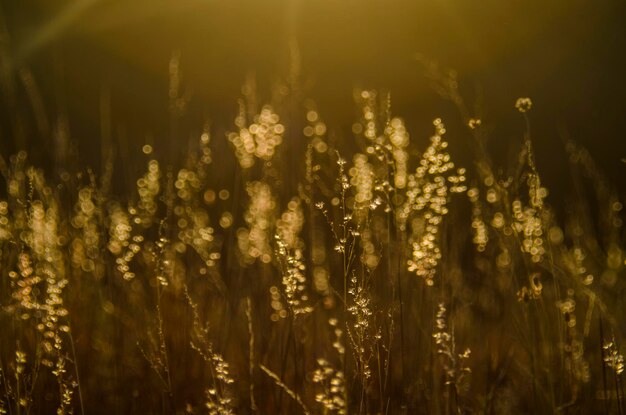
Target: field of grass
point(284, 269)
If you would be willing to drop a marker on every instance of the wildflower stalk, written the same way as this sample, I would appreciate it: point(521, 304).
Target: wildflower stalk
point(78, 383)
point(253, 406)
point(285, 388)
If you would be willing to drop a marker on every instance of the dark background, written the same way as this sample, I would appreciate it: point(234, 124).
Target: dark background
point(568, 56)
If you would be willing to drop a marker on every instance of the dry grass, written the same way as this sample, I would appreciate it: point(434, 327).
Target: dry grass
point(319, 278)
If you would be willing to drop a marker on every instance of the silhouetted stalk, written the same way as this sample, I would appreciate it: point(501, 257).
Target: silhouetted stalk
point(602, 364)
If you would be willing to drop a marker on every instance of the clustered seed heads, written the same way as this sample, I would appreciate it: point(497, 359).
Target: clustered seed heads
point(427, 195)
point(219, 399)
point(338, 344)
point(255, 241)
point(370, 255)
point(360, 330)
point(259, 139)
point(474, 123)
point(320, 272)
point(368, 125)
point(362, 179)
point(331, 380)
point(86, 246)
point(529, 225)
point(119, 229)
point(454, 364)
point(23, 283)
point(187, 184)
point(315, 130)
point(360, 306)
point(574, 260)
point(122, 243)
point(533, 290)
point(333, 387)
point(573, 344)
point(20, 361)
point(399, 140)
point(613, 359)
point(479, 228)
point(195, 231)
point(5, 224)
point(278, 308)
point(294, 280)
point(218, 405)
point(290, 224)
point(192, 219)
point(162, 257)
point(38, 286)
point(148, 188)
point(523, 104)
